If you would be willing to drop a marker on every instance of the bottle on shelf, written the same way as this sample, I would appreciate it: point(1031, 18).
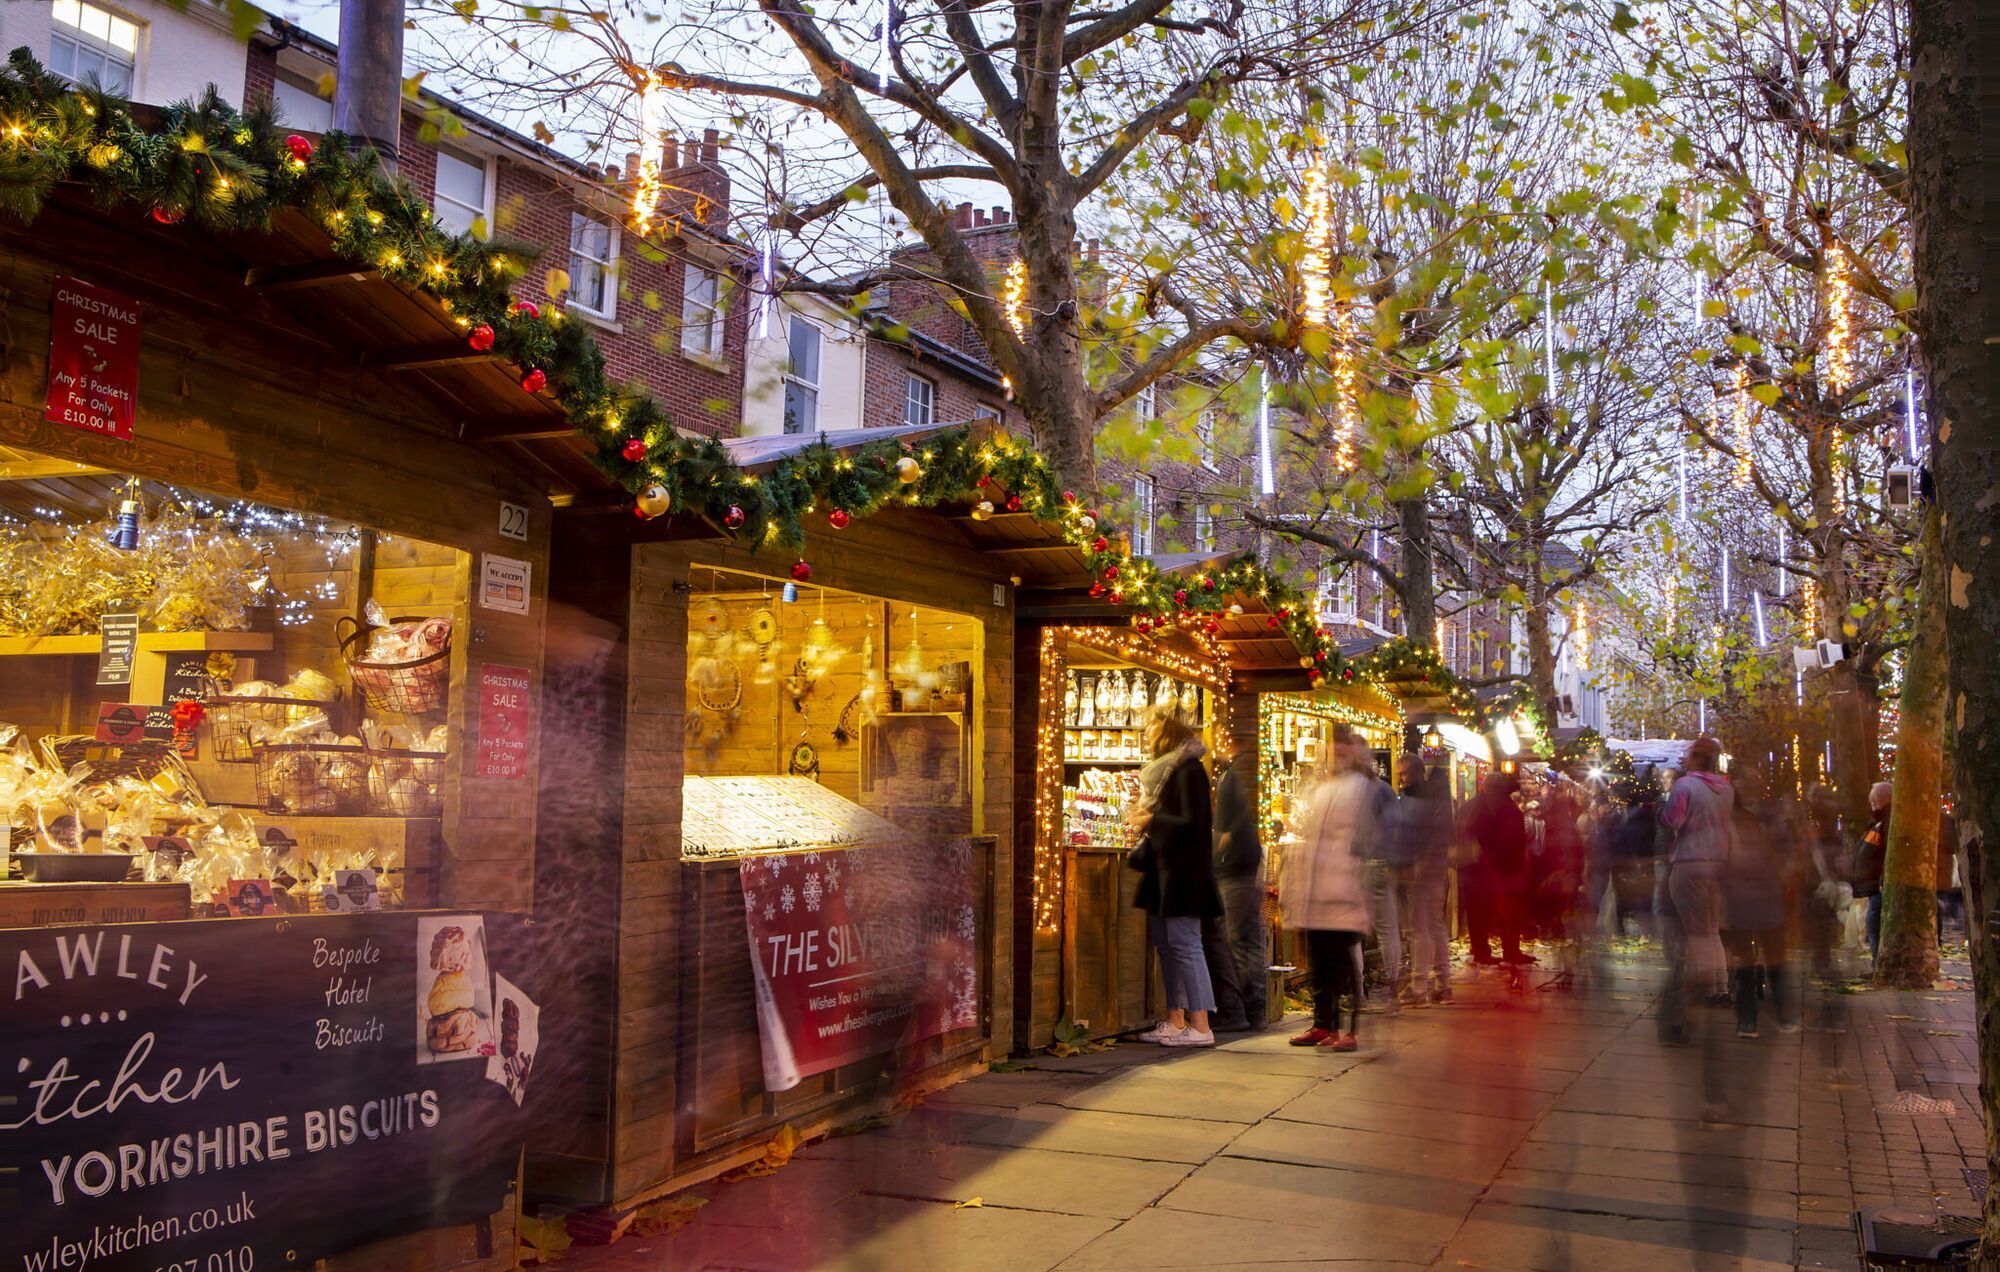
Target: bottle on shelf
point(1070, 706)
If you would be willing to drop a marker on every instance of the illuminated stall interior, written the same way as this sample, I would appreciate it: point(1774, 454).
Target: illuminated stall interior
point(823, 718)
point(241, 747)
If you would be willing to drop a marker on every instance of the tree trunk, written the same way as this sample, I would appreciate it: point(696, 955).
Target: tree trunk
point(1051, 386)
point(1909, 958)
point(1419, 591)
point(1955, 53)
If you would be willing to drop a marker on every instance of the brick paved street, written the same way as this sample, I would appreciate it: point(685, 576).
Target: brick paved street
point(1545, 1130)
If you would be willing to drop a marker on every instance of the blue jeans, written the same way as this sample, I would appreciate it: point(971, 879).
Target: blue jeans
point(1875, 927)
point(1183, 969)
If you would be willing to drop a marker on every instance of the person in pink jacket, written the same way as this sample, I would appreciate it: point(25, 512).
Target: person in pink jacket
point(1319, 886)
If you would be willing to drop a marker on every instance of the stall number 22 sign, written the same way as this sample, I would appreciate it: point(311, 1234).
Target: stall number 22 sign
point(513, 521)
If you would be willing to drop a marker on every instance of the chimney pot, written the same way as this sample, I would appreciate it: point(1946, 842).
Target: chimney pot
point(671, 158)
point(632, 164)
point(979, 218)
point(999, 216)
point(710, 144)
point(962, 218)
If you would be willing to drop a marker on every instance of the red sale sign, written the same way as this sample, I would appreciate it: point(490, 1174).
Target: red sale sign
point(859, 951)
point(504, 707)
point(93, 358)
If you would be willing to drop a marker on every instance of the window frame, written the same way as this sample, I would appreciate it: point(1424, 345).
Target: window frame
point(1204, 439)
point(808, 388)
point(99, 46)
point(716, 332)
point(1145, 512)
point(294, 82)
point(609, 266)
point(488, 178)
point(910, 381)
point(1204, 526)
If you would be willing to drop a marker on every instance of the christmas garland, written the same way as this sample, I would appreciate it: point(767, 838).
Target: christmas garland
point(229, 171)
point(1403, 659)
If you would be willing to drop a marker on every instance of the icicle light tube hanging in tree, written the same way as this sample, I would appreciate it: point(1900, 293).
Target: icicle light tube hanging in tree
point(1317, 263)
point(1267, 481)
point(1346, 387)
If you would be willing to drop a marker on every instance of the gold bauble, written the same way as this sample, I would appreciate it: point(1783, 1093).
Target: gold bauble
point(654, 501)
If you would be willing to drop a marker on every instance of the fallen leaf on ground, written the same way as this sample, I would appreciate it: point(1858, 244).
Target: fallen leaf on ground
point(970, 1202)
point(543, 1240)
point(777, 1153)
point(659, 1218)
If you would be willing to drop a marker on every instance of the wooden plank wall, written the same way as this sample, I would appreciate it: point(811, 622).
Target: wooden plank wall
point(236, 400)
point(913, 558)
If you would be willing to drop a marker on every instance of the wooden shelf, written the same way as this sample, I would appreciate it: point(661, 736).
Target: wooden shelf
point(1102, 763)
point(149, 643)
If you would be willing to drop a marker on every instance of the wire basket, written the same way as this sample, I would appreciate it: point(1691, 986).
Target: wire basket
point(157, 764)
point(418, 687)
point(406, 783)
point(312, 778)
point(233, 722)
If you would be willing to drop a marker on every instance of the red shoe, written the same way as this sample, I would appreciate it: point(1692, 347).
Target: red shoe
point(1314, 1037)
point(1341, 1042)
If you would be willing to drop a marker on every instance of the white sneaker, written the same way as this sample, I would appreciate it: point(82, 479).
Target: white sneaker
point(1157, 1032)
point(1189, 1037)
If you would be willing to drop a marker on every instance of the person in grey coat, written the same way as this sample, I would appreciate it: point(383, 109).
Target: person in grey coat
point(1239, 873)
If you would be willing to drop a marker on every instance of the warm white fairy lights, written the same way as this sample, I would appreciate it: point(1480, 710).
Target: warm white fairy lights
point(1580, 625)
point(652, 148)
point(1839, 321)
point(1014, 297)
point(1346, 387)
point(1316, 265)
point(1744, 420)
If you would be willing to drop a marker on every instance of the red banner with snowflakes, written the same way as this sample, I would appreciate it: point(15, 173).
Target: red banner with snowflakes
point(859, 951)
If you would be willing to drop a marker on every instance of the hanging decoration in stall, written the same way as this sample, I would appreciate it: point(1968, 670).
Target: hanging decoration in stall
point(205, 163)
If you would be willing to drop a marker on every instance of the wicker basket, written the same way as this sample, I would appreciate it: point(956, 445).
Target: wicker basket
point(412, 688)
point(407, 783)
point(233, 722)
point(311, 778)
point(155, 763)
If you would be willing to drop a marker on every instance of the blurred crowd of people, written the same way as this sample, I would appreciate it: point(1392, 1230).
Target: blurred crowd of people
point(1743, 887)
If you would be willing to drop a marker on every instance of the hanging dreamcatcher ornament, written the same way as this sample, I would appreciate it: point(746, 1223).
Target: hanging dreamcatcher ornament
point(762, 631)
point(804, 761)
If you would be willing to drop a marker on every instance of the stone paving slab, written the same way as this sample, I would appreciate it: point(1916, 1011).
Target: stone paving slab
point(1143, 1136)
point(1245, 1098)
point(1772, 1206)
point(876, 1234)
point(1638, 1163)
point(1428, 1068)
point(1320, 1197)
point(1027, 1178)
point(1162, 1238)
point(1333, 1104)
point(1766, 1144)
point(1528, 1239)
point(1420, 1160)
point(1443, 1098)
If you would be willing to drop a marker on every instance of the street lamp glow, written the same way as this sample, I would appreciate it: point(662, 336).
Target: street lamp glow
point(1507, 736)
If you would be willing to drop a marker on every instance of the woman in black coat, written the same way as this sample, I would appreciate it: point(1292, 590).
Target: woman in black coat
point(1177, 888)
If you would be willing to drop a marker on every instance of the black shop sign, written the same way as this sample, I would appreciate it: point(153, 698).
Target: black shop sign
point(255, 1093)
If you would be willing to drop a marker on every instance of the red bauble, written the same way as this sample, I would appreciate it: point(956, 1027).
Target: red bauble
point(1013, 503)
point(524, 309)
point(982, 481)
point(733, 518)
point(1069, 496)
point(1180, 598)
point(838, 518)
point(535, 381)
point(1096, 590)
point(634, 450)
point(1110, 571)
point(1427, 677)
point(480, 338)
point(801, 571)
point(1271, 621)
point(1211, 627)
point(1143, 623)
point(1283, 612)
point(1319, 655)
point(1347, 673)
point(1207, 583)
point(1100, 544)
point(166, 216)
point(299, 148)
point(1118, 598)
point(640, 513)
